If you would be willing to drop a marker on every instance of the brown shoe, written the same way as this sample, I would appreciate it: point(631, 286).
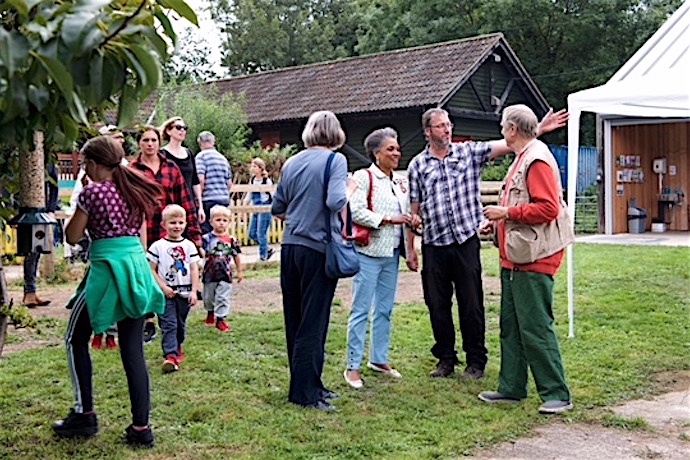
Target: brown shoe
point(472, 373)
point(32, 301)
point(444, 368)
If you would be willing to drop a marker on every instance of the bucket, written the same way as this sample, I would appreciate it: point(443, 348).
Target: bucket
point(658, 227)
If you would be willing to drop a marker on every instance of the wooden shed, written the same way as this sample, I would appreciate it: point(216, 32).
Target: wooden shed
point(472, 78)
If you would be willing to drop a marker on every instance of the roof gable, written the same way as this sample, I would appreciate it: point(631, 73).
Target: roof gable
point(667, 51)
point(413, 77)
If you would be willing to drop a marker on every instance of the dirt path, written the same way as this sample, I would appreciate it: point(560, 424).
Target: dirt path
point(668, 415)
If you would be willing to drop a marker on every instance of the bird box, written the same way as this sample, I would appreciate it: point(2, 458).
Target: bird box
point(33, 225)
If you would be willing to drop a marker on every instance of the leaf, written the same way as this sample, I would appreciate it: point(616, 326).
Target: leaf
point(128, 107)
point(70, 129)
point(151, 67)
point(58, 73)
point(80, 72)
point(136, 67)
point(14, 49)
point(97, 89)
point(73, 26)
point(90, 40)
point(181, 8)
point(90, 5)
point(167, 26)
point(39, 97)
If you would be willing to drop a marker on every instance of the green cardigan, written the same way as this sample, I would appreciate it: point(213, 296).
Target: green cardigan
point(119, 283)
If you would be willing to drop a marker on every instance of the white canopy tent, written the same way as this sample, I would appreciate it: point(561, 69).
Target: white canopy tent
point(652, 84)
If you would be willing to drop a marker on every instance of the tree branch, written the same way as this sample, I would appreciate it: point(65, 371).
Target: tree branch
point(124, 24)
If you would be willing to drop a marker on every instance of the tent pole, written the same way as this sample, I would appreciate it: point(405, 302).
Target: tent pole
point(573, 153)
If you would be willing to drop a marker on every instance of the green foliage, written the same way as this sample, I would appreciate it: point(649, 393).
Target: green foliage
point(18, 316)
point(270, 34)
point(230, 394)
point(565, 45)
point(496, 170)
point(59, 59)
point(204, 110)
point(394, 24)
point(9, 180)
point(625, 423)
point(274, 157)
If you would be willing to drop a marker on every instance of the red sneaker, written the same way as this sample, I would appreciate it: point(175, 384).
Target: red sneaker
point(180, 354)
point(170, 364)
point(222, 326)
point(210, 319)
point(110, 343)
point(97, 342)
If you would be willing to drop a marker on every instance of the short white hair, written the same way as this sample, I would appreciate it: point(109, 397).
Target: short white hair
point(106, 130)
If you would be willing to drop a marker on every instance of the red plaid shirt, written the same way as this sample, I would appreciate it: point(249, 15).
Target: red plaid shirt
point(174, 192)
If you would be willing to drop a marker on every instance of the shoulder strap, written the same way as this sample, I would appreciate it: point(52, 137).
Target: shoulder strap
point(371, 190)
point(326, 178)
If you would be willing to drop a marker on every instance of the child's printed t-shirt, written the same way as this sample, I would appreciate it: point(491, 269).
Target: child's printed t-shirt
point(174, 259)
point(220, 250)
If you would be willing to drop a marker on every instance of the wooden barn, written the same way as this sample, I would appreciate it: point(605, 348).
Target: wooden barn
point(472, 78)
point(644, 111)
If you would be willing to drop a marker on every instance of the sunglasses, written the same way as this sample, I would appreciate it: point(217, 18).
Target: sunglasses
point(180, 127)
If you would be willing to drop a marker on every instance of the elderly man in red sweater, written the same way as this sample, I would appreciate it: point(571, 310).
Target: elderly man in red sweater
point(533, 229)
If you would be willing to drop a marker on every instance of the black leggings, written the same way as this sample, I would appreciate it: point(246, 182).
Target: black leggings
point(131, 352)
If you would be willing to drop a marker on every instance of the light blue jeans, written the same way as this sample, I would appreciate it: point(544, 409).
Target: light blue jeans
point(258, 231)
point(373, 288)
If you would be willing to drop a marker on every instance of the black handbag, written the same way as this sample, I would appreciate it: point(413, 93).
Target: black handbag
point(342, 260)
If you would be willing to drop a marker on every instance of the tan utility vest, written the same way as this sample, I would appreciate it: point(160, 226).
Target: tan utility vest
point(525, 243)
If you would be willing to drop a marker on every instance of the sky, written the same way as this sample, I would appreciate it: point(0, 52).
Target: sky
point(207, 29)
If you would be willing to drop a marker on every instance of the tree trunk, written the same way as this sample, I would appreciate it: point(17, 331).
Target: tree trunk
point(32, 189)
point(31, 194)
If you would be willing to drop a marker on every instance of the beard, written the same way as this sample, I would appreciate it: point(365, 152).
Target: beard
point(440, 142)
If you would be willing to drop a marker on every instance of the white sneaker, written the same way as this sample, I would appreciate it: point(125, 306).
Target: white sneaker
point(392, 372)
point(555, 407)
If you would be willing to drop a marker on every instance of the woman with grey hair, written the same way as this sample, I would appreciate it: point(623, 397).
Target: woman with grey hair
point(374, 287)
point(307, 291)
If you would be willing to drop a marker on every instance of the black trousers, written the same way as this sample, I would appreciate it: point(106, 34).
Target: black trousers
point(131, 352)
point(307, 298)
point(455, 267)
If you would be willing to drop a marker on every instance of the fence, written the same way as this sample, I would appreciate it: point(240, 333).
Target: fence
point(587, 165)
point(242, 214)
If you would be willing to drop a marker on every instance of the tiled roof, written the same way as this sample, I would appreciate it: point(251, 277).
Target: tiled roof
point(412, 77)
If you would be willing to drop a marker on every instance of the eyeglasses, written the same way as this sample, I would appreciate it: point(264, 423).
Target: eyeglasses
point(442, 126)
point(180, 127)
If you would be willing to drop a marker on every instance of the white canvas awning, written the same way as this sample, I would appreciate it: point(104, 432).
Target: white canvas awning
point(653, 83)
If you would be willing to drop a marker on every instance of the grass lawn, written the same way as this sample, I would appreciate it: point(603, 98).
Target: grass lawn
point(229, 399)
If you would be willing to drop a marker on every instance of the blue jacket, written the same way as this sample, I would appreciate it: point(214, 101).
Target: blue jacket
point(299, 197)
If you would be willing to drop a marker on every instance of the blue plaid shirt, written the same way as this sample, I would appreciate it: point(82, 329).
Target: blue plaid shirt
point(448, 192)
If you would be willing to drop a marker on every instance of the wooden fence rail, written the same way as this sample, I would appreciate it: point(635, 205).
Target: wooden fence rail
point(241, 215)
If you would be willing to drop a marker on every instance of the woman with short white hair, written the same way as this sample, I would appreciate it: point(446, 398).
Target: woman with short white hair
point(307, 291)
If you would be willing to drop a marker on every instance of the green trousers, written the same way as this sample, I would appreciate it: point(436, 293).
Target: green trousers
point(528, 337)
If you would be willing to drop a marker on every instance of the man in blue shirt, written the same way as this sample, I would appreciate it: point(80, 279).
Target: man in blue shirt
point(215, 176)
